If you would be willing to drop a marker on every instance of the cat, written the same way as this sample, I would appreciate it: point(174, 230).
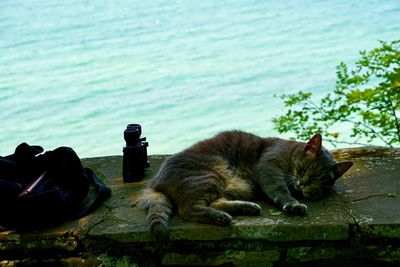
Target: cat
point(221, 176)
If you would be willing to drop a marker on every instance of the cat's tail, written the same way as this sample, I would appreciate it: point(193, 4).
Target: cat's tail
point(159, 208)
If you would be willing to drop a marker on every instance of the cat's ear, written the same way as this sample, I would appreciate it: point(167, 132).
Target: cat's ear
point(340, 168)
point(313, 148)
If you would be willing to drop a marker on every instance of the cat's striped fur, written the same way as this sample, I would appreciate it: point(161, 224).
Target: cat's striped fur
point(219, 177)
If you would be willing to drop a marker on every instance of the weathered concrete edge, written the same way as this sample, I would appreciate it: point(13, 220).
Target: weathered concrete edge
point(270, 233)
point(360, 152)
point(352, 152)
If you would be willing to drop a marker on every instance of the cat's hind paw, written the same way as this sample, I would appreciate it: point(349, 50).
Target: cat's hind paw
point(222, 219)
point(295, 208)
point(252, 209)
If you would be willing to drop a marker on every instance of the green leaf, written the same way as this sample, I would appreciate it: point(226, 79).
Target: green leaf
point(275, 212)
point(366, 99)
point(392, 194)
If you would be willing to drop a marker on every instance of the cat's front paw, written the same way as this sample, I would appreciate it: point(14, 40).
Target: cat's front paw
point(295, 208)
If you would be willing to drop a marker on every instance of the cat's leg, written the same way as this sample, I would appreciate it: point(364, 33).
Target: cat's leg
point(272, 183)
point(195, 199)
point(199, 212)
point(236, 207)
point(279, 193)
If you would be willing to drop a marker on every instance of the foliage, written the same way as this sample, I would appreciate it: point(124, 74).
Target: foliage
point(366, 99)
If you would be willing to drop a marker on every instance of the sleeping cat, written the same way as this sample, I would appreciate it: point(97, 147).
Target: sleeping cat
point(219, 177)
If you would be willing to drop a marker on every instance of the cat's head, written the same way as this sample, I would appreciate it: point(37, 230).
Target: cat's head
point(314, 170)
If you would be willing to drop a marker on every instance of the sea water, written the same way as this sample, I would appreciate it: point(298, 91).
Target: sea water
point(75, 73)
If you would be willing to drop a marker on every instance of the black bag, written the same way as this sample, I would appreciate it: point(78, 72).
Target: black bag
point(42, 189)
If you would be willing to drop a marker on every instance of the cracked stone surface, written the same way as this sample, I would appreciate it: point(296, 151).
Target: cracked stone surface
point(371, 191)
point(366, 200)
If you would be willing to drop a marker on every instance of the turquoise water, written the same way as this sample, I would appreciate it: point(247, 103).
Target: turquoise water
point(75, 73)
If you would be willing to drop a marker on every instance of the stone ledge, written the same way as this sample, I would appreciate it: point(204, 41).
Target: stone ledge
point(360, 220)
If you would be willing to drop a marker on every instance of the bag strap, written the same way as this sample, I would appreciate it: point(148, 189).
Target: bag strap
point(97, 196)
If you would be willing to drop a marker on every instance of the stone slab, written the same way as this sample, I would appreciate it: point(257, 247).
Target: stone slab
point(365, 203)
point(371, 191)
point(327, 219)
